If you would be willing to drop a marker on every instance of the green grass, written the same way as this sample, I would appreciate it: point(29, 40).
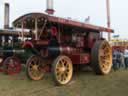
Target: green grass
point(82, 84)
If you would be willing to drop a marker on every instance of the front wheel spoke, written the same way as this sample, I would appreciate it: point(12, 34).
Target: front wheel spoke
point(31, 69)
point(60, 62)
point(59, 65)
point(107, 64)
point(39, 73)
point(38, 62)
point(59, 73)
point(58, 70)
point(67, 65)
point(67, 70)
point(35, 62)
point(102, 61)
point(102, 57)
point(32, 62)
point(62, 77)
point(105, 67)
point(35, 73)
point(59, 76)
point(65, 76)
point(37, 67)
point(63, 62)
point(107, 57)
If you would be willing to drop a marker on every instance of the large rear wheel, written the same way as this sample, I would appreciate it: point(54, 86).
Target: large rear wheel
point(35, 68)
point(101, 57)
point(62, 70)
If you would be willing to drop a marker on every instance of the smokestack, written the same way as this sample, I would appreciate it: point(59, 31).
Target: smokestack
point(108, 18)
point(6, 16)
point(50, 9)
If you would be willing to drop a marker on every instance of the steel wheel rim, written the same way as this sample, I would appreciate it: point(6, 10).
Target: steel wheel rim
point(34, 68)
point(63, 70)
point(105, 57)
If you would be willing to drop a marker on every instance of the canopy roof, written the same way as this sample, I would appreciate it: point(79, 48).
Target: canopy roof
point(40, 16)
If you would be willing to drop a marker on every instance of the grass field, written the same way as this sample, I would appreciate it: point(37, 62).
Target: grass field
point(82, 84)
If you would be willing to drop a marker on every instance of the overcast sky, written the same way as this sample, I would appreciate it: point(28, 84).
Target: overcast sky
point(76, 9)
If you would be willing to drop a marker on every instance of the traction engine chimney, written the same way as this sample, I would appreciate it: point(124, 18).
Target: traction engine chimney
point(50, 9)
point(6, 16)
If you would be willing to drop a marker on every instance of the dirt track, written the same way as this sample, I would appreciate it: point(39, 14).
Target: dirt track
point(83, 84)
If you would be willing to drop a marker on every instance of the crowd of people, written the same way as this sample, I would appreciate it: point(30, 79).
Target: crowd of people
point(120, 59)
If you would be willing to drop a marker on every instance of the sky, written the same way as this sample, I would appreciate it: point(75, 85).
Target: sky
point(76, 9)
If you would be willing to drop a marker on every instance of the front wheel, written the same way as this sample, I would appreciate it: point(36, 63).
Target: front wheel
point(35, 68)
point(62, 70)
point(12, 65)
point(101, 57)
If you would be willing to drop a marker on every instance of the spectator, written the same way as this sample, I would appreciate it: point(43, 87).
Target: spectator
point(121, 59)
point(115, 60)
point(126, 58)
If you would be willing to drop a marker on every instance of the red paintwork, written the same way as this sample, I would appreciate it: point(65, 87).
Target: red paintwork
point(82, 58)
point(17, 69)
point(76, 55)
point(27, 44)
point(1, 70)
point(54, 31)
point(50, 11)
point(90, 41)
point(41, 42)
point(75, 58)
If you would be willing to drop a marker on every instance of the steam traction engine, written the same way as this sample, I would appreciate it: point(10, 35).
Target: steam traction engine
point(59, 44)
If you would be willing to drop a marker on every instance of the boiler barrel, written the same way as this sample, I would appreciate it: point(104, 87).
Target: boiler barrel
point(55, 51)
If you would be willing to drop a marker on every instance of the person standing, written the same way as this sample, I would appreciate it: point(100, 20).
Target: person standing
point(115, 59)
point(121, 59)
point(126, 58)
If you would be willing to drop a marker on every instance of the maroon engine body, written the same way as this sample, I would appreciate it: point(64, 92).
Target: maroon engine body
point(52, 36)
